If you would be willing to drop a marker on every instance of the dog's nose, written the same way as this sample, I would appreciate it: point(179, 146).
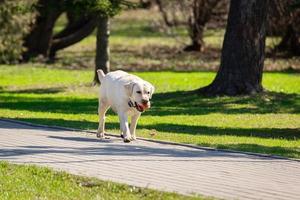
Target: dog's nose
point(145, 101)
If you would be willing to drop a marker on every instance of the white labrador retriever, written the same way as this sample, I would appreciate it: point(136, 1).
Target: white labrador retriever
point(128, 95)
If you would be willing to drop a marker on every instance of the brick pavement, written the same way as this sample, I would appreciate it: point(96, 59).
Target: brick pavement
point(182, 169)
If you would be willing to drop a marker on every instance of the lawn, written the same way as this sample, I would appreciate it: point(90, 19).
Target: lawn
point(61, 94)
point(267, 123)
point(30, 182)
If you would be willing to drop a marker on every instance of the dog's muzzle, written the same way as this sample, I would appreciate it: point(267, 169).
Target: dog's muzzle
point(140, 108)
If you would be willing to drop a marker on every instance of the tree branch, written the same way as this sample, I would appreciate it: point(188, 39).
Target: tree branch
point(72, 38)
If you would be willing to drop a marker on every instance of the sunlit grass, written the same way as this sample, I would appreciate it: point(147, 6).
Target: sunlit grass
point(31, 182)
point(266, 123)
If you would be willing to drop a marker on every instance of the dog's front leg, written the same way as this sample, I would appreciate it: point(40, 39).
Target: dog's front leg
point(125, 127)
point(134, 120)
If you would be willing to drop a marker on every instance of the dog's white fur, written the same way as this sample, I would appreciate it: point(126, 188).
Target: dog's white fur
point(116, 90)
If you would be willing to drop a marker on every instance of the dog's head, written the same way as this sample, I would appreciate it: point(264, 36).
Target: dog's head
point(140, 92)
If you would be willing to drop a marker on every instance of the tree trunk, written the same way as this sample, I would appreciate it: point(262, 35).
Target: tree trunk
point(147, 4)
point(290, 42)
point(242, 60)
point(38, 41)
point(75, 21)
point(202, 11)
point(164, 13)
point(69, 38)
point(102, 47)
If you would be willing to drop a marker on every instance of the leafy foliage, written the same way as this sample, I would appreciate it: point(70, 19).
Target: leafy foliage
point(102, 7)
point(15, 18)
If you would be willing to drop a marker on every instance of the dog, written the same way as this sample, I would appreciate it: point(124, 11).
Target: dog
point(128, 96)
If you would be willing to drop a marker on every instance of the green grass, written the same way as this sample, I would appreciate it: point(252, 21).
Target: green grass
point(52, 95)
point(31, 182)
point(268, 123)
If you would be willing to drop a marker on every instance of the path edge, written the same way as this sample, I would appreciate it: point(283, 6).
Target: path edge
point(152, 140)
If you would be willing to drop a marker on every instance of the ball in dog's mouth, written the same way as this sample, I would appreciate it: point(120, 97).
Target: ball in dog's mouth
point(141, 107)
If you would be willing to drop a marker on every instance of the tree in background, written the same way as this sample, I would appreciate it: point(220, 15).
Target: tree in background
point(242, 59)
point(83, 17)
point(174, 12)
point(15, 18)
point(38, 40)
point(201, 14)
point(78, 27)
point(194, 15)
point(285, 17)
point(102, 47)
point(104, 11)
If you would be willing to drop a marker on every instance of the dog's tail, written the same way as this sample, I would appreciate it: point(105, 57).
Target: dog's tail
point(101, 74)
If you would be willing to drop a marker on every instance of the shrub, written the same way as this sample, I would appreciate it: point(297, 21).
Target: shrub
point(15, 19)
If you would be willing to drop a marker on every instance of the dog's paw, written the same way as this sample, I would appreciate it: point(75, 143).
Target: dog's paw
point(126, 140)
point(100, 135)
point(133, 138)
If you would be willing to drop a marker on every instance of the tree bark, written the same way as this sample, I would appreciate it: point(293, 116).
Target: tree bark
point(202, 11)
point(147, 4)
point(38, 41)
point(102, 47)
point(164, 13)
point(290, 42)
point(74, 23)
point(242, 60)
point(72, 36)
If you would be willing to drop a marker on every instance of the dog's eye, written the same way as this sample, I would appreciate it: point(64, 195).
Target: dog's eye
point(148, 92)
point(139, 92)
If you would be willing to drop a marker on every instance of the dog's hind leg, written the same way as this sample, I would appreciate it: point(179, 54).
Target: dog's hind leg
point(103, 107)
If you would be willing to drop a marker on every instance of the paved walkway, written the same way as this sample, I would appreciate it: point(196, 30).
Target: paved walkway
point(166, 167)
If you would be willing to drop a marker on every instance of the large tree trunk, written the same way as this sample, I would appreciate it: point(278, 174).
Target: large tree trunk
point(242, 60)
point(38, 41)
point(202, 11)
point(102, 47)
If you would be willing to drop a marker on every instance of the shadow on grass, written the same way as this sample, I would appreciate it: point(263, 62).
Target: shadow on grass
point(274, 133)
point(164, 104)
point(255, 148)
point(189, 103)
point(140, 31)
point(47, 104)
point(53, 90)
point(268, 133)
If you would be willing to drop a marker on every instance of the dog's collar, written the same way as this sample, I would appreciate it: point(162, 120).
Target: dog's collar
point(131, 104)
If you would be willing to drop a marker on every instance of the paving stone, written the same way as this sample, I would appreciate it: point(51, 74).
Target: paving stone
point(167, 167)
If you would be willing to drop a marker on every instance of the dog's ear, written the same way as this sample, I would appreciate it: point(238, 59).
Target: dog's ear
point(151, 87)
point(129, 88)
point(151, 90)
